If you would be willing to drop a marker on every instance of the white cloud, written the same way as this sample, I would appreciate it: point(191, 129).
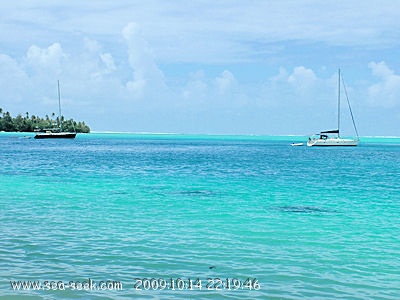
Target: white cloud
point(298, 85)
point(9, 66)
point(48, 58)
point(87, 76)
point(386, 92)
point(380, 69)
point(196, 87)
point(282, 75)
point(296, 95)
point(13, 81)
point(302, 78)
point(91, 45)
point(225, 82)
point(204, 31)
point(95, 61)
point(45, 57)
point(108, 61)
point(146, 74)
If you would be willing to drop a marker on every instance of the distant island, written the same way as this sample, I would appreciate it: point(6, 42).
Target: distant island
point(33, 123)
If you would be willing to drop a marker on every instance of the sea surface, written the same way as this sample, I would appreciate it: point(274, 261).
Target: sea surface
point(240, 217)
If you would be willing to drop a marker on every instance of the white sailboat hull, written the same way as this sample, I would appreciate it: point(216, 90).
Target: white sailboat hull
point(332, 142)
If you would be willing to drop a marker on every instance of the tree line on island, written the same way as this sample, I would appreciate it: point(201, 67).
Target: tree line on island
point(34, 123)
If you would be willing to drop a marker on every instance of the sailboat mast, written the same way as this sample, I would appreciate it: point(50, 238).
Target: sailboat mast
point(338, 125)
point(59, 104)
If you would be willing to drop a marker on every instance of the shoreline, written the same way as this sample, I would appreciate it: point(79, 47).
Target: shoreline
point(296, 137)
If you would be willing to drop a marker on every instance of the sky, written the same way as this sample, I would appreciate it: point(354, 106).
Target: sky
point(204, 67)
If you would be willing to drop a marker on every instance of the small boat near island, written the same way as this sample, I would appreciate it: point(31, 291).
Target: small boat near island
point(332, 137)
point(296, 144)
point(56, 133)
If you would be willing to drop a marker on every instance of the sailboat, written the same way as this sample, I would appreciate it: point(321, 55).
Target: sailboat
point(58, 133)
point(332, 137)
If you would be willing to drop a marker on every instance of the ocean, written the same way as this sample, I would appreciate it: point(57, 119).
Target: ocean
point(164, 216)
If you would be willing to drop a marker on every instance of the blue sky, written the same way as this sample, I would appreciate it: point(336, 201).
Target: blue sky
point(218, 67)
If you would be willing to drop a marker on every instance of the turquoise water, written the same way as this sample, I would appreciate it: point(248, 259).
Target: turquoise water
point(299, 222)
